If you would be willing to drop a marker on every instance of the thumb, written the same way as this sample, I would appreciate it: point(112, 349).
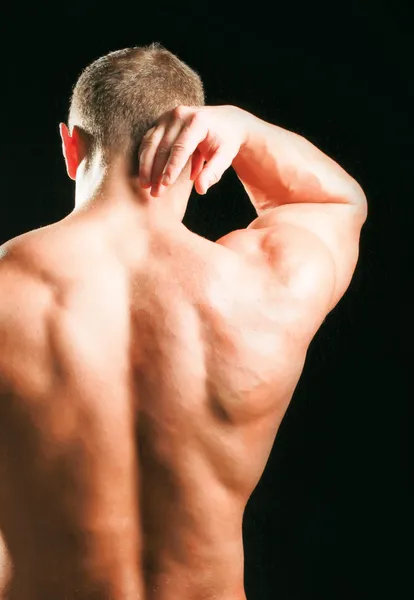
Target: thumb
point(213, 170)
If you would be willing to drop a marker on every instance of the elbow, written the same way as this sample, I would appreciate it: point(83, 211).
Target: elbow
point(358, 198)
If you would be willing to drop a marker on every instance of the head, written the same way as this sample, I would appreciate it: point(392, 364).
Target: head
point(115, 101)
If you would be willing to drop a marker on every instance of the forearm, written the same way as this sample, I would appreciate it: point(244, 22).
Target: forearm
point(278, 167)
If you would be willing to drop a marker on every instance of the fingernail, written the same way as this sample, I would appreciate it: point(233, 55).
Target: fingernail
point(166, 179)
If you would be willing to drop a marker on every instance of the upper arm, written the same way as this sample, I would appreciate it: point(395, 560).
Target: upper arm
point(306, 253)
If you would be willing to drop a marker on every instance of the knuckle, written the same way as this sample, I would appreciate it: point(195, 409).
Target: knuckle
point(163, 150)
point(145, 144)
point(196, 118)
point(178, 147)
point(174, 163)
point(178, 111)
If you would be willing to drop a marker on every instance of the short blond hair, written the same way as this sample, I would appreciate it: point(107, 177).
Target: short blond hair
point(119, 96)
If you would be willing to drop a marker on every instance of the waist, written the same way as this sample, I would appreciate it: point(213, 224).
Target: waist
point(159, 587)
point(221, 577)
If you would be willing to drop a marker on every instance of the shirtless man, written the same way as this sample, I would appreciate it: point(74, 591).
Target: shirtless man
point(144, 370)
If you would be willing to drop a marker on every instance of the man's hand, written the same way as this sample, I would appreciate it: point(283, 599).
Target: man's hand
point(213, 134)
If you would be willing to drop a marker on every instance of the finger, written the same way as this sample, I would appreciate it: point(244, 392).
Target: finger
point(164, 149)
point(197, 164)
point(146, 153)
point(156, 190)
point(213, 170)
point(192, 134)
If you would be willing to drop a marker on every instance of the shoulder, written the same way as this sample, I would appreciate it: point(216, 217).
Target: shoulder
point(306, 256)
point(22, 271)
point(24, 304)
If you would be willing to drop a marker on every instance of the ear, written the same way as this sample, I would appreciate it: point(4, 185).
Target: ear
point(72, 149)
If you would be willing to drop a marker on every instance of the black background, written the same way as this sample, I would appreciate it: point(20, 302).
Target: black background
point(330, 515)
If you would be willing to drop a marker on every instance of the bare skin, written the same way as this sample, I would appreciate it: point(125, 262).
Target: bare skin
point(144, 374)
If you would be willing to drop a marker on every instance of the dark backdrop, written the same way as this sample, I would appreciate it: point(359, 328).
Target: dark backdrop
point(330, 515)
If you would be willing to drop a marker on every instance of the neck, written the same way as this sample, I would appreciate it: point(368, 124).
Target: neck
point(115, 189)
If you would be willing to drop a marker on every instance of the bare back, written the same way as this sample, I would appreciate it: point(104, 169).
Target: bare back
point(153, 388)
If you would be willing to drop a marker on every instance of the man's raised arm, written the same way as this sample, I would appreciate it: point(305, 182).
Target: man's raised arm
point(310, 215)
point(279, 167)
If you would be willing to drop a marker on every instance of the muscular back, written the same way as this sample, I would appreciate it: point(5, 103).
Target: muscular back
point(142, 392)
